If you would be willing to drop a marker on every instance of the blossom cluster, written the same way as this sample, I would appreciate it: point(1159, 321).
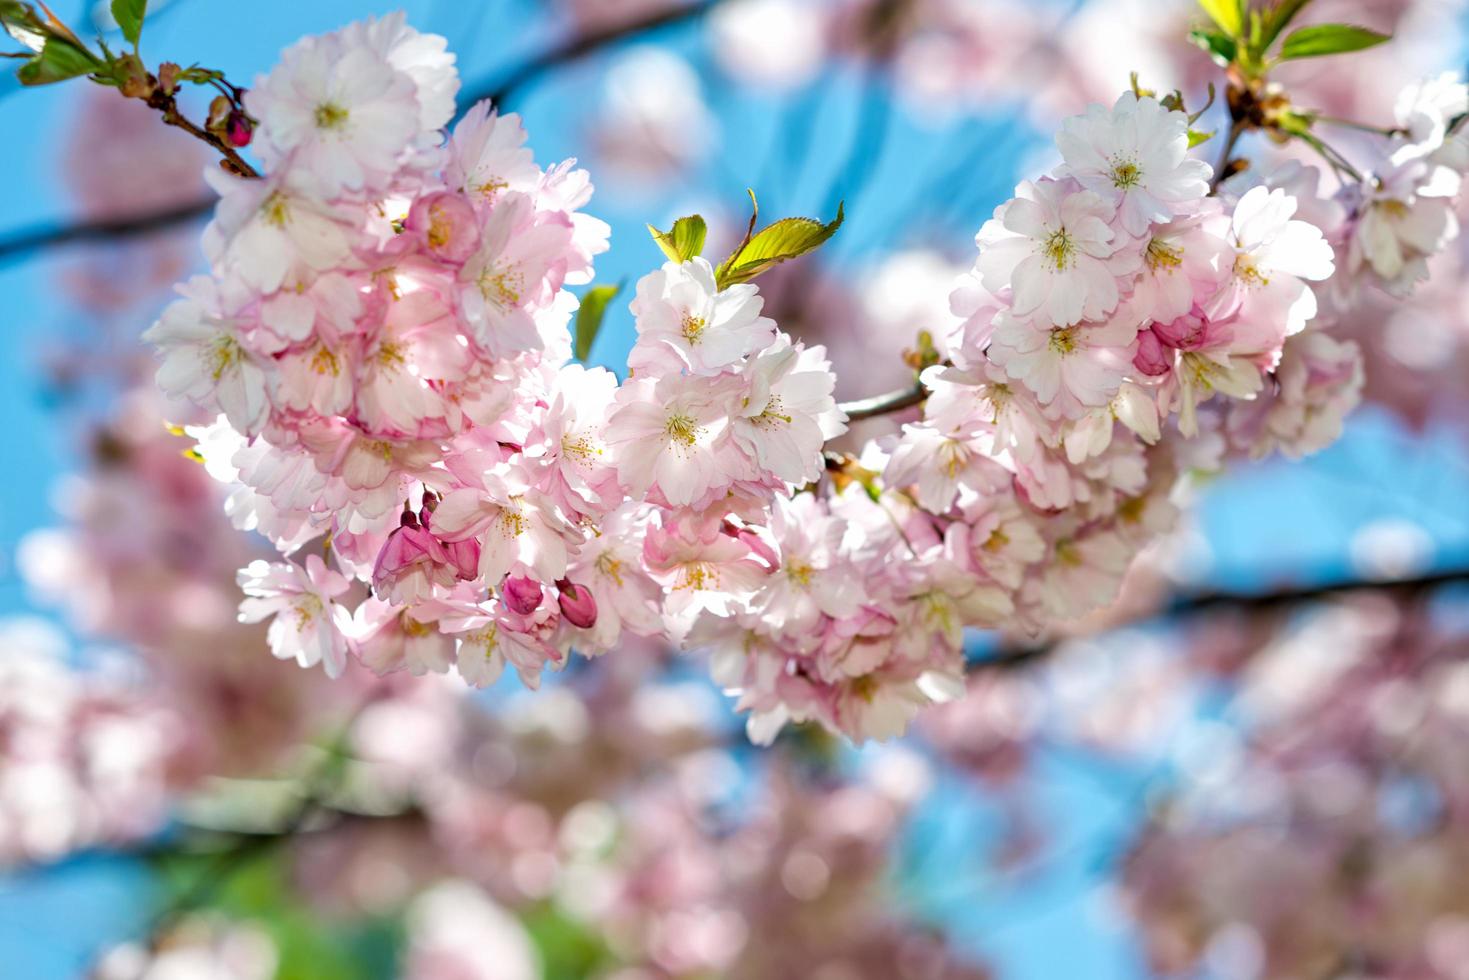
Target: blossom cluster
point(1333, 827)
point(1123, 327)
point(384, 331)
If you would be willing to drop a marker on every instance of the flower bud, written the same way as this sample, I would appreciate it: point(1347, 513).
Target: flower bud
point(238, 128)
point(446, 225)
point(577, 604)
point(1152, 358)
point(522, 594)
point(168, 77)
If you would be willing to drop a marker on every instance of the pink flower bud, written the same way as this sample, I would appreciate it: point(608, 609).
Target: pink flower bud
point(445, 224)
point(577, 604)
point(237, 129)
point(522, 594)
point(1152, 358)
point(1192, 331)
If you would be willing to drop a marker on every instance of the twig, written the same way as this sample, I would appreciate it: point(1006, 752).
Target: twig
point(1204, 602)
point(1221, 169)
point(892, 401)
point(578, 47)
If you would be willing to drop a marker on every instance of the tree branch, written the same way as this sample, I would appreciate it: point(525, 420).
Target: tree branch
point(892, 401)
point(582, 45)
point(1205, 602)
point(36, 237)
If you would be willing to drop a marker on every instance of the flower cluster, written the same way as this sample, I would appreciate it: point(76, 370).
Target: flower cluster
point(84, 757)
point(385, 333)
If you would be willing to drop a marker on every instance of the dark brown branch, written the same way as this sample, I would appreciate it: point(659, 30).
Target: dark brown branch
point(892, 401)
point(37, 237)
point(167, 105)
point(1206, 602)
point(582, 45)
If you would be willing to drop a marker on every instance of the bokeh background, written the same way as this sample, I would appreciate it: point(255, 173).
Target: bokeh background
point(1254, 767)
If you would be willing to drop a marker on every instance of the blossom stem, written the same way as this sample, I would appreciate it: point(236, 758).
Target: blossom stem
point(1221, 169)
point(168, 106)
point(892, 401)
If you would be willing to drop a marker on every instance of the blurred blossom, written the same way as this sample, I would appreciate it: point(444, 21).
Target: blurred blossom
point(742, 32)
point(456, 933)
point(1336, 834)
point(86, 757)
point(199, 948)
point(653, 125)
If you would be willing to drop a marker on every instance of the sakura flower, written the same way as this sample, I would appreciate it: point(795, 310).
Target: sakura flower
point(1425, 109)
point(703, 567)
point(812, 578)
point(424, 58)
point(685, 321)
point(335, 114)
point(519, 266)
point(940, 463)
point(1399, 226)
point(1183, 259)
point(413, 560)
point(576, 468)
point(1090, 435)
point(610, 568)
point(445, 224)
point(670, 434)
point(1135, 157)
point(390, 638)
point(788, 413)
point(486, 639)
point(266, 231)
point(984, 394)
point(488, 155)
point(206, 359)
point(1272, 255)
point(512, 523)
point(1050, 245)
point(317, 378)
point(1068, 368)
point(309, 627)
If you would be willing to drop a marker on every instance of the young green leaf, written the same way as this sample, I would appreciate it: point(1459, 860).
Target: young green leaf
point(685, 241)
point(1227, 14)
point(788, 238)
point(59, 60)
point(589, 317)
point(1323, 39)
point(129, 16)
point(1197, 136)
point(1278, 19)
point(1220, 47)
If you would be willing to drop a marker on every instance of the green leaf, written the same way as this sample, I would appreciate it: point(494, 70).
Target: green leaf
point(1197, 136)
point(589, 317)
point(685, 241)
point(1220, 47)
point(788, 238)
point(1323, 39)
point(129, 17)
point(1278, 19)
point(59, 60)
point(1227, 14)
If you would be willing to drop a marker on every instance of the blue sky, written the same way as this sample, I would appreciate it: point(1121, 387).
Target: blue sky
point(1269, 523)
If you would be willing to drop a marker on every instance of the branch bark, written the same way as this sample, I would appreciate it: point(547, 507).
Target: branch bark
point(1022, 655)
point(892, 401)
